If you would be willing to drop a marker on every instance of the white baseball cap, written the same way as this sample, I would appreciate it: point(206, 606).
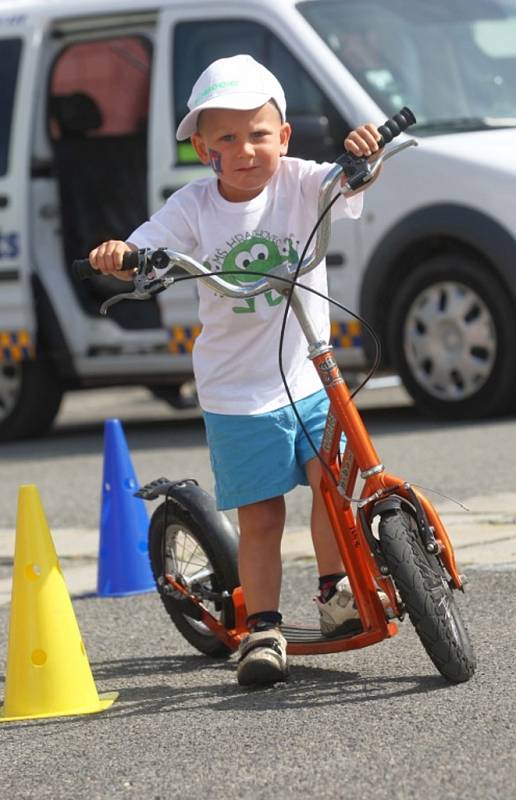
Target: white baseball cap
point(238, 82)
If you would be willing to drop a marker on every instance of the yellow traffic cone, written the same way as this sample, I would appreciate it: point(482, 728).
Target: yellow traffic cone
point(48, 672)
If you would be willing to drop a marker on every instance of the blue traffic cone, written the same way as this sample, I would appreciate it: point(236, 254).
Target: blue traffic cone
point(123, 565)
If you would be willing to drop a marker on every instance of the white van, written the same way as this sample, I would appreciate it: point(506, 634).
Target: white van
point(90, 95)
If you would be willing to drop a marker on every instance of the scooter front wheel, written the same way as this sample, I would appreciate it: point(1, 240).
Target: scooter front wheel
point(194, 544)
point(427, 596)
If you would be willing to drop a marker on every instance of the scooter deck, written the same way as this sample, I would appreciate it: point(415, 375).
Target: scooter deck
point(308, 640)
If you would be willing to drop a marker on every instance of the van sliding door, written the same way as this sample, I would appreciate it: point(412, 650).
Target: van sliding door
point(18, 53)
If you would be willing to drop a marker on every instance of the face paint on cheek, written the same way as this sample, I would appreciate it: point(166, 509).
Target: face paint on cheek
point(215, 160)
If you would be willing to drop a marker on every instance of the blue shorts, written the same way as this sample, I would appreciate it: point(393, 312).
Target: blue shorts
point(258, 456)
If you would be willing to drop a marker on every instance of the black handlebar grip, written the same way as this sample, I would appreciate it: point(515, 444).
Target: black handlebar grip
point(395, 125)
point(131, 260)
point(82, 269)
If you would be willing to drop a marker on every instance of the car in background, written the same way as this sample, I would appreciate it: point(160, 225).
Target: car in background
point(91, 93)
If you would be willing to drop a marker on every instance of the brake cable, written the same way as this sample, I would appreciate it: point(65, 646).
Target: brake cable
point(367, 326)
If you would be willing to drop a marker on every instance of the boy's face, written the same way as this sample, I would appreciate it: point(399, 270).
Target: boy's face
point(243, 148)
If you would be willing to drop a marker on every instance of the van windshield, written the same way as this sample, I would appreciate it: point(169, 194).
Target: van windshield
point(9, 58)
point(452, 63)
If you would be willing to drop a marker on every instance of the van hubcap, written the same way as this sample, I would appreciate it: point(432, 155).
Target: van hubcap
point(449, 341)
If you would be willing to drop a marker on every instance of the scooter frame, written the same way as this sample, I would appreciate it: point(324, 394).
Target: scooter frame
point(357, 544)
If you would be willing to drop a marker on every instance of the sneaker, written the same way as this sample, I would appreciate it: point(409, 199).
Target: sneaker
point(339, 615)
point(262, 658)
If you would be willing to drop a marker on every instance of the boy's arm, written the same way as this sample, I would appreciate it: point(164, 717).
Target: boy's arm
point(172, 226)
point(108, 257)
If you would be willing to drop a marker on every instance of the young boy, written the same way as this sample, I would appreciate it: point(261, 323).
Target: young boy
point(257, 210)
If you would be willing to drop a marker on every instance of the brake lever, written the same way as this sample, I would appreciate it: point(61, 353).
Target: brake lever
point(136, 294)
point(358, 169)
point(146, 282)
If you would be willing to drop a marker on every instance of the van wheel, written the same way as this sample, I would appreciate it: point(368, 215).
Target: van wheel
point(181, 396)
point(451, 338)
point(29, 399)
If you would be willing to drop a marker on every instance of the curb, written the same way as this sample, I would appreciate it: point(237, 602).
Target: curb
point(484, 537)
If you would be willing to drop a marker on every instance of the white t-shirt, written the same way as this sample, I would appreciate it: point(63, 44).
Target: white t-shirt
point(235, 357)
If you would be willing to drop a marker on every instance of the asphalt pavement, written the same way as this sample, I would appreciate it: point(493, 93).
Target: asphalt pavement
point(378, 722)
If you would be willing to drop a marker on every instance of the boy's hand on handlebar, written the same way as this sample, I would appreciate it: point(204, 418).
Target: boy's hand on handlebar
point(363, 141)
point(108, 257)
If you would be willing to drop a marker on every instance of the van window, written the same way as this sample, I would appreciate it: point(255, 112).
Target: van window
point(318, 129)
point(10, 50)
point(453, 63)
point(114, 76)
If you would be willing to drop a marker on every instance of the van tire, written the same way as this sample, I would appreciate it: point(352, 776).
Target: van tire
point(37, 397)
point(446, 280)
point(178, 396)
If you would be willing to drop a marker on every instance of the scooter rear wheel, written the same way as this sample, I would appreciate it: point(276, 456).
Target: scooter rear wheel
point(203, 558)
point(431, 605)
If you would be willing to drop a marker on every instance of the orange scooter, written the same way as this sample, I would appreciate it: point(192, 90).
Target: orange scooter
point(394, 541)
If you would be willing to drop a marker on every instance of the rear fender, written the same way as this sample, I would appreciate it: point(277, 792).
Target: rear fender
point(188, 495)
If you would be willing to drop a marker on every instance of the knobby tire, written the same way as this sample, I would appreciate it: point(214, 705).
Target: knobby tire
point(429, 600)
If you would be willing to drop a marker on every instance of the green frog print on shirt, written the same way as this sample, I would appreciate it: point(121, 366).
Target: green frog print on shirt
point(256, 254)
